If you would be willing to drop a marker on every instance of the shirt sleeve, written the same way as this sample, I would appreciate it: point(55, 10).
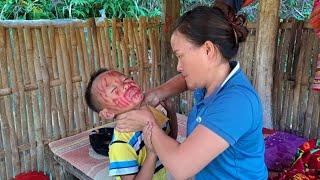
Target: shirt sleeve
point(230, 116)
point(123, 159)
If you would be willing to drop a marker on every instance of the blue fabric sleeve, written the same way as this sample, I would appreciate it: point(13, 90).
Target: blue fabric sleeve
point(230, 116)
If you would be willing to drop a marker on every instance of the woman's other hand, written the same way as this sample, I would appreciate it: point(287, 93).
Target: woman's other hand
point(171, 114)
point(151, 97)
point(134, 120)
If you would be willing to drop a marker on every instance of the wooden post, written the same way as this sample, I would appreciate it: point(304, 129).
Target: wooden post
point(171, 11)
point(265, 55)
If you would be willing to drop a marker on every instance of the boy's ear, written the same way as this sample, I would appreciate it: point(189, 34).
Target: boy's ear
point(106, 114)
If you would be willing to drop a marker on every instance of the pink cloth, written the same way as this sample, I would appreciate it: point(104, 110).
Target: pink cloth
point(75, 150)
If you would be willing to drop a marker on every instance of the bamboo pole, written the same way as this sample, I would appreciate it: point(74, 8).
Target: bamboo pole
point(124, 48)
point(7, 129)
point(84, 70)
point(47, 72)
point(144, 60)
point(118, 53)
point(114, 51)
point(59, 122)
point(20, 101)
point(55, 71)
point(100, 50)
point(72, 53)
point(91, 55)
point(104, 42)
point(132, 58)
point(157, 58)
point(26, 80)
point(95, 47)
point(153, 58)
point(85, 76)
point(93, 61)
point(85, 55)
point(61, 94)
point(66, 69)
point(41, 105)
point(139, 53)
point(30, 122)
point(11, 120)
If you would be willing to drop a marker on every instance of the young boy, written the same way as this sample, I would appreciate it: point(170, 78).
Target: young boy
point(110, 93)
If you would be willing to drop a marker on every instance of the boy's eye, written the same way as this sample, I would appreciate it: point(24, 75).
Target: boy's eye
point(113, 89)
point(128, 78)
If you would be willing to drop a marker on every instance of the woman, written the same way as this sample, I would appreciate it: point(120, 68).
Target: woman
point(224, 128)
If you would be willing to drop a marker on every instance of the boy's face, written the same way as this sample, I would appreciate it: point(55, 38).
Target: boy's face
point(116, 93)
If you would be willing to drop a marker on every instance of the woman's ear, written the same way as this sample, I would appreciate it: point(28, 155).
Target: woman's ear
point(106, 114)
point(210, 48)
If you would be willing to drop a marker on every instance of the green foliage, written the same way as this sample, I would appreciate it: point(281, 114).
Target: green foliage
point(82, 9)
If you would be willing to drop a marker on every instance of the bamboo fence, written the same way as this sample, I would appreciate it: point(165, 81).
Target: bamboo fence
point(45, 66)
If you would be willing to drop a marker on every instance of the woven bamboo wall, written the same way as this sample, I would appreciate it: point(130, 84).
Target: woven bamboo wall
point(45, 66)
point(296, 106)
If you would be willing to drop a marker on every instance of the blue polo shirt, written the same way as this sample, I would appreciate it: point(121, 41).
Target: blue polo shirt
point(234, 113)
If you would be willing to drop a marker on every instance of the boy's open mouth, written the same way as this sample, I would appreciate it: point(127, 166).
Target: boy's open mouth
point(132, 93)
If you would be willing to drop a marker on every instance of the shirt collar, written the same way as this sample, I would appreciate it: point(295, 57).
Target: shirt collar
point(235, 66)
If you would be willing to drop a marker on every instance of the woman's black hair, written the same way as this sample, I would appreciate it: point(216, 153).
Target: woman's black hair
point(218, 24)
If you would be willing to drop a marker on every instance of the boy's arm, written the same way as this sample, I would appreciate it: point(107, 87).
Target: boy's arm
point(147, 169)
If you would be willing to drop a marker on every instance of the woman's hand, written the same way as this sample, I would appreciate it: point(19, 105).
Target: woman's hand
point(134, 120)
point(151, 97)
point(147, 133)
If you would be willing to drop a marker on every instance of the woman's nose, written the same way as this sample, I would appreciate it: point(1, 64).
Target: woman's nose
point(179, 67)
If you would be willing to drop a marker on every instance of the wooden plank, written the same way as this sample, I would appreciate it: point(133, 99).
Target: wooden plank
point(304, 94)
point(298, 77)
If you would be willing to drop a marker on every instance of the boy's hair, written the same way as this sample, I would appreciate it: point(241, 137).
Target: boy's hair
point(88, 95)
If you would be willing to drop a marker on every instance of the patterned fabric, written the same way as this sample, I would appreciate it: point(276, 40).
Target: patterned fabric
point(315, 17)
point(127, 151)
point(247, 2)
point(280, 150)
point(316, 80)
point(315, 23)
point(306, 165)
